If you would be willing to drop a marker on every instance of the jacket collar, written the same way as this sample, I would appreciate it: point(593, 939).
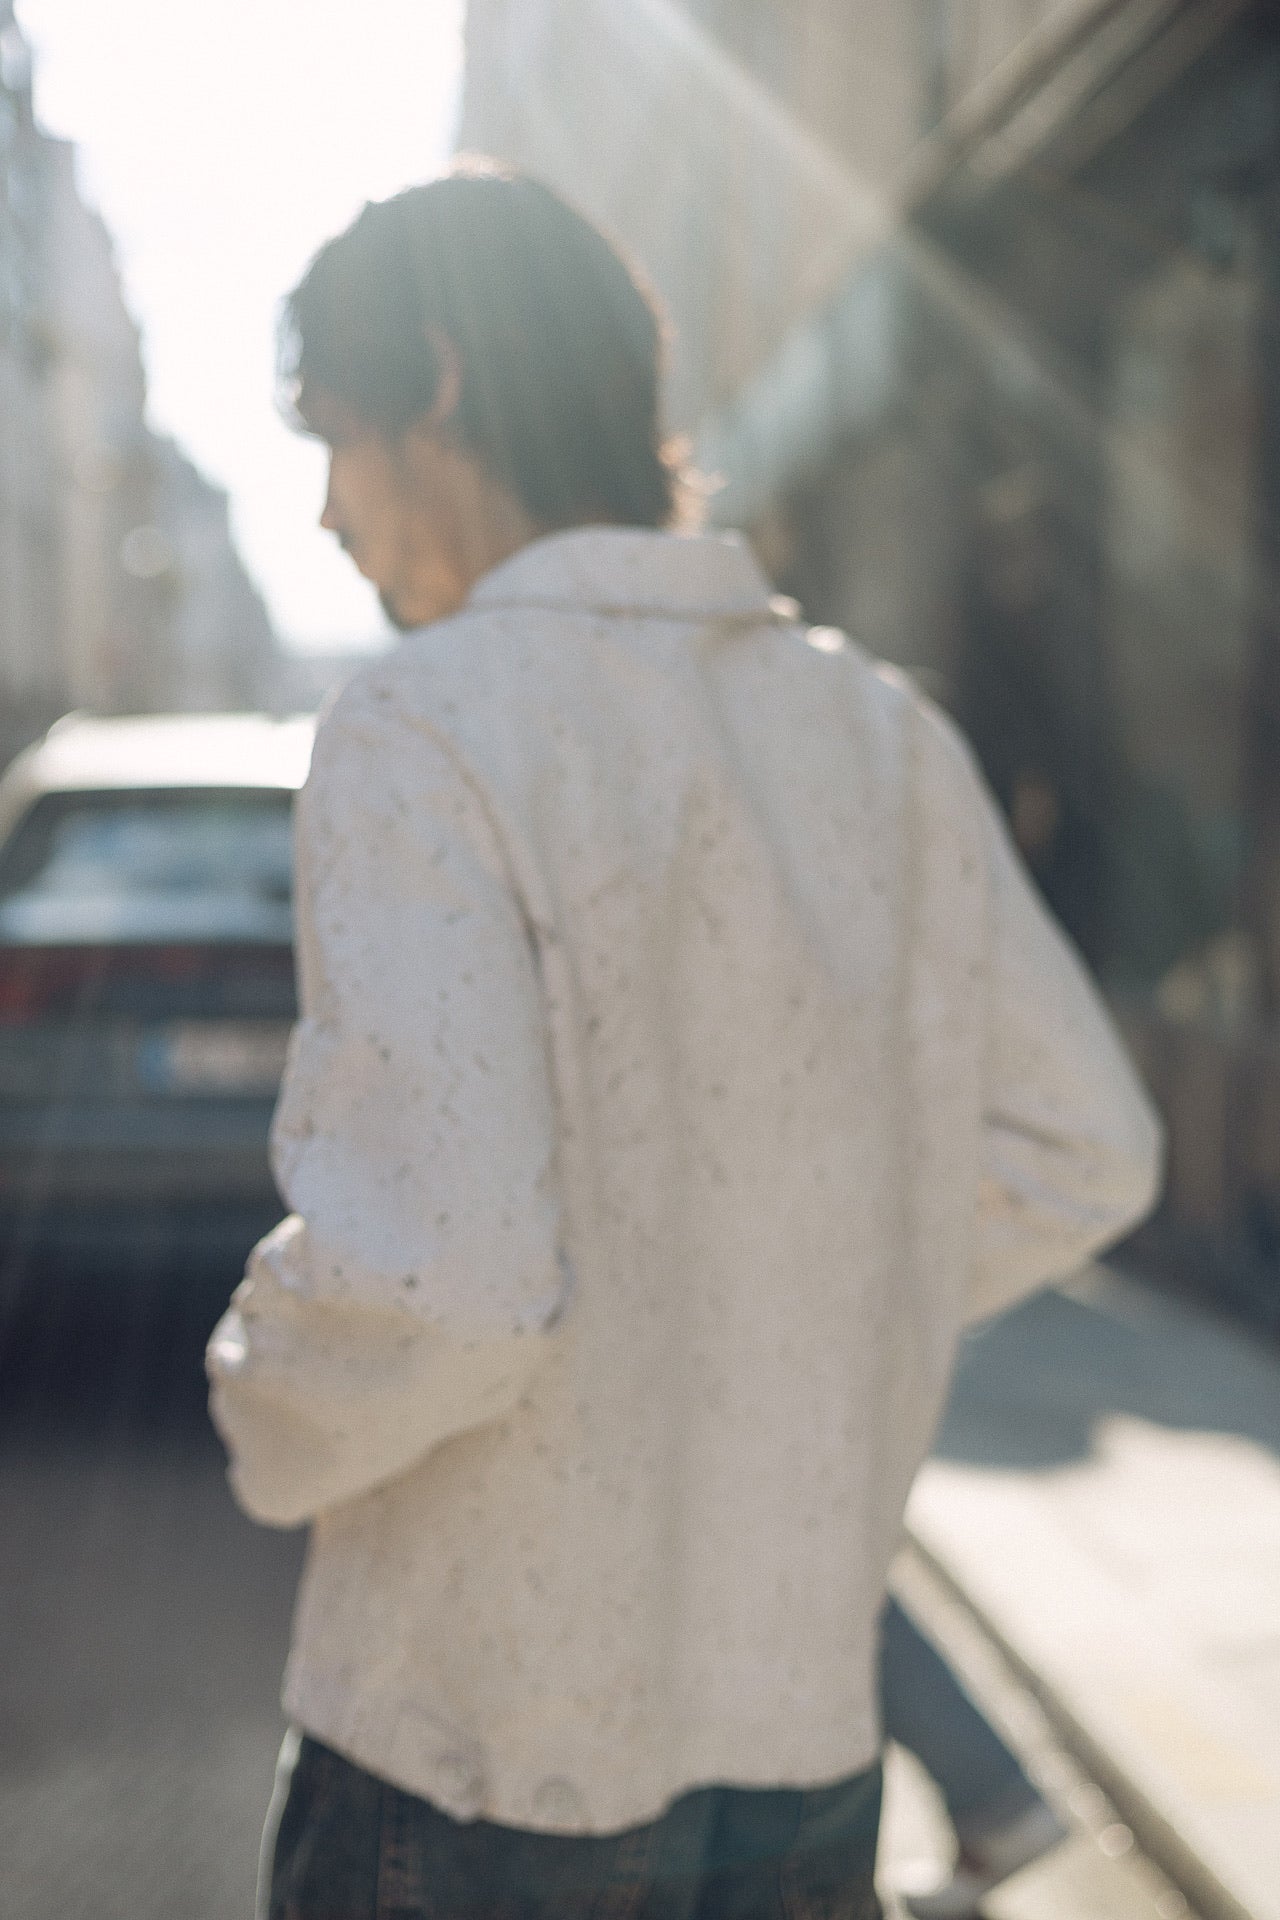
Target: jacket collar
point(631, 571)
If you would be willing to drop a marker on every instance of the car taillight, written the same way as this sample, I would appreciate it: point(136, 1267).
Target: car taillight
point(36, 982)
point(144, 982)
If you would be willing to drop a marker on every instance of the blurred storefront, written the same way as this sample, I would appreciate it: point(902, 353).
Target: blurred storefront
point(979, 316)
point(1065, 517)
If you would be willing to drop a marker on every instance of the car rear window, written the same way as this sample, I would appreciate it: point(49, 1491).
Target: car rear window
point(141, 866)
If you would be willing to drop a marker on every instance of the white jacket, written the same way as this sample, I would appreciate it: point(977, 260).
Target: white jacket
point(684, 1058)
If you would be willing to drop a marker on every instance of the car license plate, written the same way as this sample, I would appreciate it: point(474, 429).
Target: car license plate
point(224, 1057)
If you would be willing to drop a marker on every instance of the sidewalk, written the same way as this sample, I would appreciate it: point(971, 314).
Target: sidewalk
point(1105, 1494)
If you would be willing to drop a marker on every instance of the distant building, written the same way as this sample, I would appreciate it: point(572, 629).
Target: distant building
point(119, 583)
point(746, 153)
point(980, 318)
point(30, 448)
point(215, 647)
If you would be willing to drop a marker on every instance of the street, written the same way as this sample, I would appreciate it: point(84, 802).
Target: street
point(748, 503)
point(144, 1620)
point(145, 1623)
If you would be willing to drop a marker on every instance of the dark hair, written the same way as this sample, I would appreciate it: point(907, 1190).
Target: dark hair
point(560, 348)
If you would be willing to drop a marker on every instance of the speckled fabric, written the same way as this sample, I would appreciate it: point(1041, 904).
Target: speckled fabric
point(684, 1058)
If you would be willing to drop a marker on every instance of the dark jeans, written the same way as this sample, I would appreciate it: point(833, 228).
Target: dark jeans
point(350, 1847)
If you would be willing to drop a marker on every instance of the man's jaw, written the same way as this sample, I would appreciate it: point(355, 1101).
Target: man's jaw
point(397, 619)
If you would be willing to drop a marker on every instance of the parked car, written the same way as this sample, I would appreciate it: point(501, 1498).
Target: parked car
point(146, 976)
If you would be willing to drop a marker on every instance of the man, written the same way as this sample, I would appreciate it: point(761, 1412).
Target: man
point(683, 1058)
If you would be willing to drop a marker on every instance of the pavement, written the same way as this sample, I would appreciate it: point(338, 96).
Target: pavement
point(143, 1619)
point(1097, 1872)
point(1104, 1499)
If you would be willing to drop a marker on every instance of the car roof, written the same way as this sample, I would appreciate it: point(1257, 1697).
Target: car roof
point(80, 754)
point(250, 751)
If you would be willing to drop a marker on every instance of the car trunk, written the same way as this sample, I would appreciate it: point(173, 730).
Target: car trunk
point(146, 996)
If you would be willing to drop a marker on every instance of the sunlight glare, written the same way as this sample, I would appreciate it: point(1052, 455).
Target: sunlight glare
point(222, 145)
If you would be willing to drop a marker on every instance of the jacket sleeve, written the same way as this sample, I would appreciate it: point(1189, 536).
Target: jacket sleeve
point(1071, 1147)
point(414, 1288)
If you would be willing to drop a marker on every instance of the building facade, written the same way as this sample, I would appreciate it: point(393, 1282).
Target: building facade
point(746, 152)
point(1011, 418)
point(119, 584)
